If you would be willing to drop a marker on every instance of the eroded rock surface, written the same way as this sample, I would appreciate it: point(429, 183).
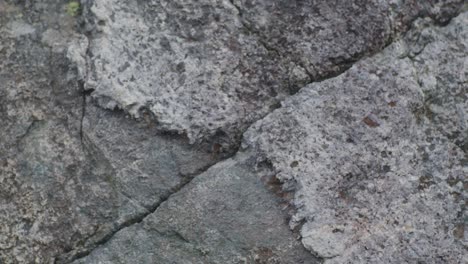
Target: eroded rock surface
point(117, 123)
point(225, 215)
point(64, 187)
point(207, 67)
point(379, 153)
point(51, 196)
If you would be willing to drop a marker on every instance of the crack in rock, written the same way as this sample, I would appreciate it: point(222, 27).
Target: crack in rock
point(208, 70)
point(263, 68)
point(83, 252)
point(364, 158)
point(267, 47)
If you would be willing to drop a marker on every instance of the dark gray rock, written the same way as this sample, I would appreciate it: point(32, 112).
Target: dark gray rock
point(54, 195)
point(225, 215)
point(63, 187)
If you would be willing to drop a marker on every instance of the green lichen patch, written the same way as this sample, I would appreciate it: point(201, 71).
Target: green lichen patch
point(73, 8)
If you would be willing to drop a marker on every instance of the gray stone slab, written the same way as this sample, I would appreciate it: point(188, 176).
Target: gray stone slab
point(225, 215)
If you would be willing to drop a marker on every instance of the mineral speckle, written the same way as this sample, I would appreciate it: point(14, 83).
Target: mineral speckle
point(233, 131)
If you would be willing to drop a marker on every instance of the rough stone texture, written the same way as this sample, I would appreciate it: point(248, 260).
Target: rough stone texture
point(378, 154)
point(208, 67)
point(63, 187)
point(142, 165)
point(82, 183)
point(145, 164)
point(47, 202)
point(224, 215)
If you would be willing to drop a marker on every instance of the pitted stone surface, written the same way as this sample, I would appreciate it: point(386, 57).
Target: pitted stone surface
point(208, 67)
point(188, 62)
point(62, 186)
point(53, 194)
point(379, 174)
point(79, 181)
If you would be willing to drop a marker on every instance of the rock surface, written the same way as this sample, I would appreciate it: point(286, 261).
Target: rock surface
point(120, 125)
point(208, 67)
point(378, 153)
point(50, 195)
point(224, 215)
point(63, 187)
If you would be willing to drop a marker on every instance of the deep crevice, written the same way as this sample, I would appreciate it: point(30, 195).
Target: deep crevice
point(84, 93)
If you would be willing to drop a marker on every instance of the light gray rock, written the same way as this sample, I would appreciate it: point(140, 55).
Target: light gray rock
point(216, 66)
point(378, 154)
point(187, 62)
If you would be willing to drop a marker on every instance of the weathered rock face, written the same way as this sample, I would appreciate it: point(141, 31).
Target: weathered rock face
point(111, 122)
point(225, 215)
point(64, 188)
point(379, 153)
point(208, 67)
point(45, 197)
